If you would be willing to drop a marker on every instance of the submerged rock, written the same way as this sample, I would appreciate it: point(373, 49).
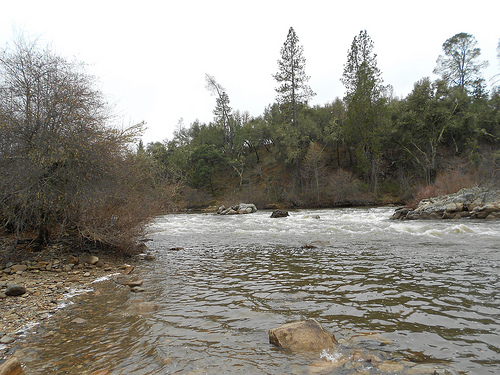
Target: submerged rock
point(475, 203)
point(12, 366)
point(301, 336)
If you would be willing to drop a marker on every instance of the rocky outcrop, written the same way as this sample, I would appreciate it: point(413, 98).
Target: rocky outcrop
point(474, 203)
point(302, 336)
point(242, 208)
point(279, 213)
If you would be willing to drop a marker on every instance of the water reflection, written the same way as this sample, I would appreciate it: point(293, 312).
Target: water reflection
point(421, 292)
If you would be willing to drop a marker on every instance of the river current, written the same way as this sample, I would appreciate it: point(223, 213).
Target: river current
point(421, 293)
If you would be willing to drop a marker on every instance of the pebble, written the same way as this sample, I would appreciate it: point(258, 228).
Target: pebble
point(6, 339)
point(15, 290)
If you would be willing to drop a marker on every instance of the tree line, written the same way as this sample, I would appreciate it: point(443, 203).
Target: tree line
point(69, 169)
point(362, 148)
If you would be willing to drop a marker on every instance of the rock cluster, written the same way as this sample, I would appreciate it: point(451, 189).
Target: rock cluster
point(474, 203)
point(242, 208)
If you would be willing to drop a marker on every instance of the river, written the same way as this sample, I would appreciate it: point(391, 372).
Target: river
point(421, 293)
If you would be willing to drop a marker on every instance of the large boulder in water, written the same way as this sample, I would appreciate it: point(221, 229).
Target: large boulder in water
point(476, 203)
point(279, 213)
point(302, 336)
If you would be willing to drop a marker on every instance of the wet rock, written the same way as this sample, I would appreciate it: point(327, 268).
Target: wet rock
point(15, 290)
point(12, 366)
point(279, 213)
point(324, 366)
point(128, 269)
point(100, 372)
point(299, 336)
point(132, 283)
point(137, 289)
point(142, 308)
point(6, 339)
point(476, 203)
point(242, 208)
point(390, 366)
point(176, 248)
point(78, 321)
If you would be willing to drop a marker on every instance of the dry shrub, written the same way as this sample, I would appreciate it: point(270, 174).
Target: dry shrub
point(447, 182)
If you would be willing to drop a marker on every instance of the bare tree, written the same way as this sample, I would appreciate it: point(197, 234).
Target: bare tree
point(60, 161)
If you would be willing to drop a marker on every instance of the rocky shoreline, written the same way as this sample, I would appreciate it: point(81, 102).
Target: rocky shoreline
point(473, 203)
point(34, 289)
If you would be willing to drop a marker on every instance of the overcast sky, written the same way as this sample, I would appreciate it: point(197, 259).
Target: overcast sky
point(151, 57)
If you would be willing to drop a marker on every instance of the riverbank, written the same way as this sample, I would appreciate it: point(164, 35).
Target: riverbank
point(36, 285)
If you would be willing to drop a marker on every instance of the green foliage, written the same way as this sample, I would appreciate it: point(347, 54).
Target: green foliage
point(205, 161)
point(363, 128)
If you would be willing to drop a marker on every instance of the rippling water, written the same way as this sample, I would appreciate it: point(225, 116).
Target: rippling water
point(423, 291)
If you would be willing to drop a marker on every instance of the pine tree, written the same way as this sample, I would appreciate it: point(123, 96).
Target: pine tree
point(293, 89)
point(363, 128)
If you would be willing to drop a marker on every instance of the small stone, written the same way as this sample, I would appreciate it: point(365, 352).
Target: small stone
point(86, 274)
point(92, 260)
point(149, 257)
point(68, 267)
point(128, 269)
point(78, 321)
point(3, 295)
point(72, 260)
point(15, 290)
point(137, 289)
point(7, 339)
point(133, 283)
point(19, 267)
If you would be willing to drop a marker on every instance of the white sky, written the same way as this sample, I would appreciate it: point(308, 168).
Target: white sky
point(151, 56)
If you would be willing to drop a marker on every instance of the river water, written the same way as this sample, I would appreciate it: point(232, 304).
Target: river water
point(424, 294)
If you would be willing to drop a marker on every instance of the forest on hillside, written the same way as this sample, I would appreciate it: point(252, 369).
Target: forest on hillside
point(368, 147)
point(69, 170)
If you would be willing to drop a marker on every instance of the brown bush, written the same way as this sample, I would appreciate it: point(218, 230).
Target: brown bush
point(64, 167)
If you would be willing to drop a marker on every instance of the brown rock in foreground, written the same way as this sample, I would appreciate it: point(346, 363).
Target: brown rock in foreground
point(11, 366)
point(301, 336)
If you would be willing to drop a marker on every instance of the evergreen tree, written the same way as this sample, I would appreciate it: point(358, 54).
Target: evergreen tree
point(363, 127)
point(293, 89)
